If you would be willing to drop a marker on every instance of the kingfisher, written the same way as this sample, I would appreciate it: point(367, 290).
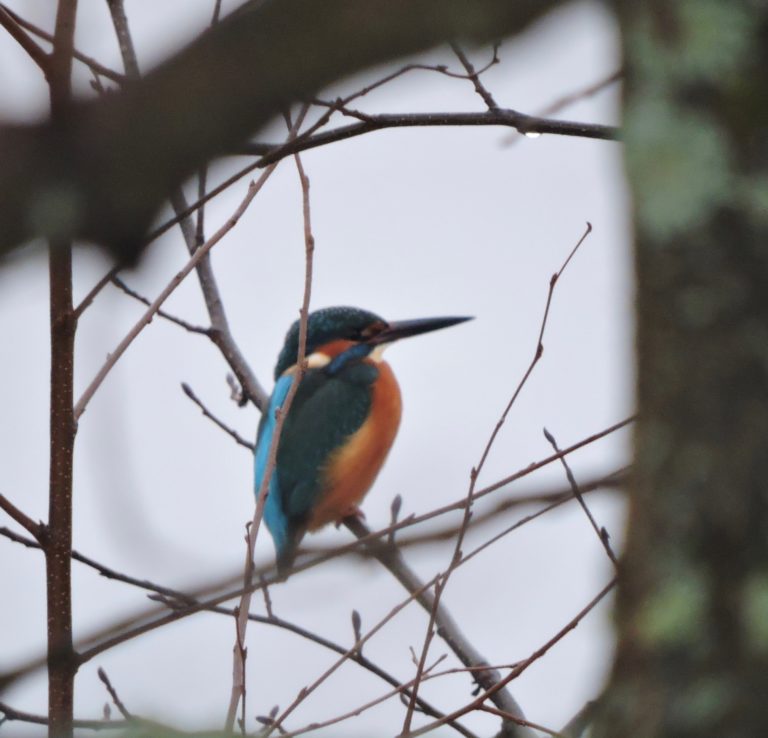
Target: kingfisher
point(340, 425)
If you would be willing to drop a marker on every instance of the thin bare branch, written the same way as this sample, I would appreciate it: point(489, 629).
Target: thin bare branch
point(174, 598)
point(582, 94)
point(457, 555)
point(127, 52)
point(161, 313)
point(122, 177)
point(238, 680)
point(113, 694)
point(208, 414)
point(359, 709)
point(514, 719)
point(136, 625)
point(219, 332)
point(309, 689)
point(87, 60)
point(474, 76)
point(601, 532)
point(489, 693)
point(522, 123)
point(253, 190)
point(37, 530)
point(421, 664)
point(270, 152)
point(537, 354)
point(95, 290)
point(391, 558)
point(35, 52)
point(11, 714)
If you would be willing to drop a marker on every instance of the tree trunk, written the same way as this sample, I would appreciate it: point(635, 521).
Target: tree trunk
point(692, 605)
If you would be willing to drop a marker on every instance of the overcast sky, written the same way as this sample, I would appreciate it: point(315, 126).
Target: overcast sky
point(408, 223)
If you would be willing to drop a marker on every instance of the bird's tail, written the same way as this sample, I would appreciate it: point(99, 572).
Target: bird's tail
point(285, 561)
point(286, 554)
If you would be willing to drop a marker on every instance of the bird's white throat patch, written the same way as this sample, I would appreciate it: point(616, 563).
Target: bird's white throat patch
point(318, 359)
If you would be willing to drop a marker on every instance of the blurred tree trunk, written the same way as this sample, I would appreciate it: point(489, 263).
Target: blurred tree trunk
point(693, 601)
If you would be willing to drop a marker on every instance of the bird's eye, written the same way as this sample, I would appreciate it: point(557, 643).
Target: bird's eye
point(371, 330)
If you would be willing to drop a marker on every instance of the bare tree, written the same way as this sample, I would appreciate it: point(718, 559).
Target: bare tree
point(692, 600)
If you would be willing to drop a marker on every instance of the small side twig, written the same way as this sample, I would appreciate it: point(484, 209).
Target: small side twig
point(391, 558)
point(113, 694)
point(85, 303)
point(35, 52)
point(189, 392)
point(601, 532)
point(87, 60)
point(120, 349)
point(161, 313)
point(516, 672)
point(34, 529)
point(519, 721)
point(474, 76)
point(11, 714)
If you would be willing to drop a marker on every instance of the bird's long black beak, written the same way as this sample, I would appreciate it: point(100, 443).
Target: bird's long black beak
point(405, 328)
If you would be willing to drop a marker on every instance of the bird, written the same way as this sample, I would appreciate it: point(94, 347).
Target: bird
point(340, 425)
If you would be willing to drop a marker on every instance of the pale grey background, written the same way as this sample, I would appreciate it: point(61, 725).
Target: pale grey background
point(409, 223)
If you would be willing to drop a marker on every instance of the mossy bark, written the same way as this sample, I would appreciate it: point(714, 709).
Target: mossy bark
point(692, 606)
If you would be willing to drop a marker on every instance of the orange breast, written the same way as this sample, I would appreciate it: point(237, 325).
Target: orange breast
point(353, 468)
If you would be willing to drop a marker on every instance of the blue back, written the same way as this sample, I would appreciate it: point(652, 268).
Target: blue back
point(274, 516)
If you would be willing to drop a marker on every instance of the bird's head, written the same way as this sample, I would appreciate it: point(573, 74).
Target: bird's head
point(333, 330)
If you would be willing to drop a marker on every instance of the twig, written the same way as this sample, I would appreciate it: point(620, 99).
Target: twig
point(601, 532)
point(486, 451)
point(306, 691)
point(98, 287)
point(489, 693)
point(360, 709)
point(175, 597)
point(253, 190)
point(421, 664)
point(208, 414)
point(136, 625)
point(193, 234)
point(113, 694)
point(161, 313)
point(519, 721)
point(238, 679)
point(582, 94)
point(551, 500)
point(271, 152)
point(11, 714)
point(537, 354)
point(570, 99)
point(391, 558)
point(127, 52)
point(480, 88)
point(34, 529)
point(615, 478)
point(37, 54)
point(521, 122)
point(87, 60)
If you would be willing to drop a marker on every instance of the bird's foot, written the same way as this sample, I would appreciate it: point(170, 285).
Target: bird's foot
point(353, 511)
